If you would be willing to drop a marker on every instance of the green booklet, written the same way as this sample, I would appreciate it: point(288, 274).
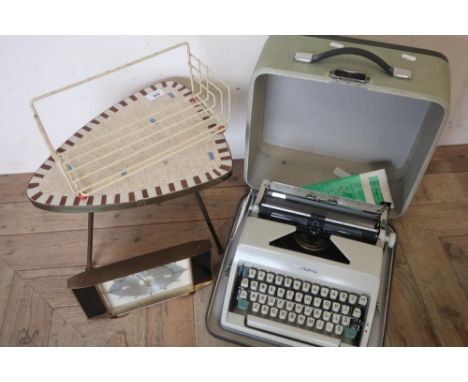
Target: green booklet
point(370, 187)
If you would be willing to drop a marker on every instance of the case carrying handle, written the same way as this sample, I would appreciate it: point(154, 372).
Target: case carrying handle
point(310, 58)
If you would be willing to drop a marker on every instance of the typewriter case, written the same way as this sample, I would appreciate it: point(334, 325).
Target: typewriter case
point(344, 111)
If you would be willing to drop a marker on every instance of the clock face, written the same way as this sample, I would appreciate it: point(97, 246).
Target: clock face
point(148, 282)
point(146, 287)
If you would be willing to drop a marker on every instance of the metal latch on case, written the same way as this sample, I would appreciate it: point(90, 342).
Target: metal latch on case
point(349, 76)
point(402, 73)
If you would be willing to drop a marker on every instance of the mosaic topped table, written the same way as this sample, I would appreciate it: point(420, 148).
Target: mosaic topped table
point(167, 143)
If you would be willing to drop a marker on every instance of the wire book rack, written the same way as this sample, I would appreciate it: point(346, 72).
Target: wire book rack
point(160, 123)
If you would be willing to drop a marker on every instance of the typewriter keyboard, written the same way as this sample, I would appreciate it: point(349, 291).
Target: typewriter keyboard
point(283, 302)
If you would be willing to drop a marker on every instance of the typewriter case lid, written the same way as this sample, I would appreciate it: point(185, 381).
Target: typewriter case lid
point(306, 119)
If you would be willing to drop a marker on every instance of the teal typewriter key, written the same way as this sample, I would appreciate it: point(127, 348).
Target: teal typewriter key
point(350, 333)
point(243, 304)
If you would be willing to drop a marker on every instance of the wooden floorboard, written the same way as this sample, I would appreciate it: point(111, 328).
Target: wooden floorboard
point(456, 250)
point(442, 188)
point(6, 278)
point(40, 250)
point(408, 322)
point(203, 337)
point(68, 248)
point(434, 275)
point(28, 316)
point(171, 323)
point(19, 218)
point(62, 333)
point(13, 187)
point(449, 159)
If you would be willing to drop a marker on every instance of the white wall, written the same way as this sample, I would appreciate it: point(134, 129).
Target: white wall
point(30, 66)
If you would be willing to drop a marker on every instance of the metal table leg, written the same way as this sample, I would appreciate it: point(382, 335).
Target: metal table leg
point(89, 254)
point(209, 223)
point(89, 257)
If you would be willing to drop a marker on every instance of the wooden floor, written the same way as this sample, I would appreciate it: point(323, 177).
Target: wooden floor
point(40, 250)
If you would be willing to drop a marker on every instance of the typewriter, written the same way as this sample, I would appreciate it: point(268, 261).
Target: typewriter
point(307, 269)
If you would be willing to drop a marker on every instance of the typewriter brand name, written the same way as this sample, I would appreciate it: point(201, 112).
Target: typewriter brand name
point(304, 268)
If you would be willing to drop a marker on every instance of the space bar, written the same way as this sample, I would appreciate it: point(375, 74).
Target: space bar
point(283, 330)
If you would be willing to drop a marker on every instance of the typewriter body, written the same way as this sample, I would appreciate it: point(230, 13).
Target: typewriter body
point(307, 268)
point(304, 268)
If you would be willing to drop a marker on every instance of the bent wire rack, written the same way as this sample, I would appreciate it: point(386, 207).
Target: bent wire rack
point(163, 121)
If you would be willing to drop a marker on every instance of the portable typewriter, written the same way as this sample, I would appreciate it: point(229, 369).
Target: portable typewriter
point(307, 268)
point(303, 268)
